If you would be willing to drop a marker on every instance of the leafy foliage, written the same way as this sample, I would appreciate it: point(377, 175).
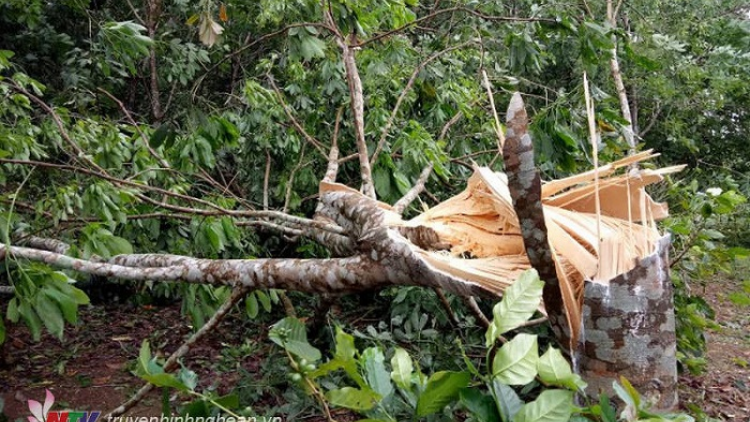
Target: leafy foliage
point(197, 99)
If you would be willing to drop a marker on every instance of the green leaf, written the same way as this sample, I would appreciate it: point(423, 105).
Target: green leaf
point(12, 312)
point(554, 369)
point(214, 237)
point(76, 294)
point(353, 398)
point(188, 378)
point(631, 393)
point(506, 400)
point(119, 246)
point(164, 380)
point(311, 47)
point(31, 319)
point(144, 356)
point(264, 300)
point(50, 314)
point(550, 406)
point(67, 305)
point(230, 401)
point(290, 334)
point(479, 405)
point(381, 178)
point(402, 368)
point(516, 362)
point(375, 373)
point(251, 306)
point(442, 389)
point(519, 303)
point(345, 349)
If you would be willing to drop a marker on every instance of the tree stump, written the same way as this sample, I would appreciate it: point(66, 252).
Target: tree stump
point(629, 330)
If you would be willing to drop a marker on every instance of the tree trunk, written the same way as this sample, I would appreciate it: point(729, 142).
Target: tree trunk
point(629, 330)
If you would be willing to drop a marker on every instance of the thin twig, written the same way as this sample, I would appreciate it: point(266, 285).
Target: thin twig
point(290, 182)
point(238, 293)
point(79, 153)
point(404, 92)
point(216, 209)
point(414, 192)
point(128, 116)
point(309, 138)
point(474, 307)
point(451, 10)
point(453, 120)
point(447, 306)
point(498, 127)
point(266, 176)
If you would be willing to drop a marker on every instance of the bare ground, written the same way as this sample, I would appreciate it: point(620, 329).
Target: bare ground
point(92, 368)
point(723, 391)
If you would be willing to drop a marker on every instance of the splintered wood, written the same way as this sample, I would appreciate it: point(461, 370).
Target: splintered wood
point(481, 230)
point(480, 223)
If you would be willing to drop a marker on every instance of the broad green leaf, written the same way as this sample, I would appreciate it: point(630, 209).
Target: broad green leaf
point(353, 398)
point(554, 369)
point(627, 392)
point(442, 389)
point(76, 294)
point(311, 47)
point(144, 356)
point(164, 380)
point(516, 362)
point(31, 319)
point(50, 314)
point(188, 378)
point(264, 300)
point(12, 312)
point(402, 368)
point(67, 305)
point(480, 405)
point(506, 400)
point(251, 306)
point(290, 334)
point(519, 303)
point(345, 349)
point(550, 406)
point(377, 376)
point(230, 401)
point(381, 178)
point(119, 246)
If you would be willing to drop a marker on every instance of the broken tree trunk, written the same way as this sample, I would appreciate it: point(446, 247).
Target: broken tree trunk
point(629, 330)
point(628, 320)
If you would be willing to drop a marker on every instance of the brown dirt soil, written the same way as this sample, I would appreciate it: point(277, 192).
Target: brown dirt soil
point(91, 369)
point(723, 391)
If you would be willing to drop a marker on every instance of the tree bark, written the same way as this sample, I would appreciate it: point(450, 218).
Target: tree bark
point(629, 330)
point(525, 188)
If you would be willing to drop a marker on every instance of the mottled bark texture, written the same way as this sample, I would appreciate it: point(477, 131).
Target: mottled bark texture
point(629, 330)
point(382, 257)
point(525, 186)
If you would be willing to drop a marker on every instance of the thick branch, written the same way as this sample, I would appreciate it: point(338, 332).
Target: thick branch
point(385, 258)
point(622, 94)
point(357, 104)
point(525, 188)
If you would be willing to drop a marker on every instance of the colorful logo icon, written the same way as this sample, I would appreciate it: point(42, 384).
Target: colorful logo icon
point(42, 413)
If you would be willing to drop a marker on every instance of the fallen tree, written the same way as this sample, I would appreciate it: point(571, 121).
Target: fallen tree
point(475, 243)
